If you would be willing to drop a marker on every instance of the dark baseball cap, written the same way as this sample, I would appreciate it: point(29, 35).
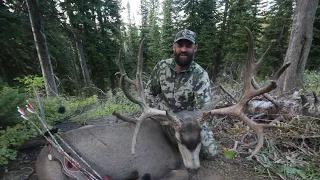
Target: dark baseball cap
point(186, 34)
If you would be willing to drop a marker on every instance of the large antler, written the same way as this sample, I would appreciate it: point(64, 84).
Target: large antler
point(250, 90)
point(146, 111)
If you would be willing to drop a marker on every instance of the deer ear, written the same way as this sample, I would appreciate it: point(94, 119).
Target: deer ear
point(175, 125)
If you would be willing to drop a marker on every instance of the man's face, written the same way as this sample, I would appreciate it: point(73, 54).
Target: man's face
point(184, 52)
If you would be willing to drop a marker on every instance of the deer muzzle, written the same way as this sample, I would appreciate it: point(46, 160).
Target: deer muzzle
point(190, 158)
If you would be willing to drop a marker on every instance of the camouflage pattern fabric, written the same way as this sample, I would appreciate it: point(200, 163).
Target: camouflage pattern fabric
point(209, 147)
point(190, 89)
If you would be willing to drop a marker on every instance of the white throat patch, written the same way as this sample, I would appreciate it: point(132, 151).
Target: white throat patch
point(190, 158)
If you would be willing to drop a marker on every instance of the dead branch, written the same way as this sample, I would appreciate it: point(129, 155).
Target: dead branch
point(267, 96)
point(225, 91)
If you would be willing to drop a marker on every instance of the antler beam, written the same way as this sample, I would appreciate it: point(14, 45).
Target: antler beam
point(250, 91)
point(146, 111)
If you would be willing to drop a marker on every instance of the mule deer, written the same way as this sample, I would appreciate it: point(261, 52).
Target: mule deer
point(107, 150)
point(107, 147)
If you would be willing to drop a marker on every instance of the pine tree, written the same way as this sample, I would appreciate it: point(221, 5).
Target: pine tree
point(177, 17)
point(95, 26)
point(144, 4)
point(17, 48)
point(220, 49)
point(277, 28)
point(132, 42)
point(207, 35)
point(167, 30)
point(153, 35)
point(314, 59)
point(241, 13)
point(191, 11)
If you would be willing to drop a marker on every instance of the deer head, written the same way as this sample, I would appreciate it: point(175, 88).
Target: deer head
point(186, 127)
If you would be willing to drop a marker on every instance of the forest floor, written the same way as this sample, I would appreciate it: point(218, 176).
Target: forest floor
point(23, 168)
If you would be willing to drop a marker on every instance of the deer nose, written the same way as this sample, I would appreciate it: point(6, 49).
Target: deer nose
point(193, 171)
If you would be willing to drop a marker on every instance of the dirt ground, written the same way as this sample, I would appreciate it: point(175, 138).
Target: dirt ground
point(218, 169)
point(23, 169)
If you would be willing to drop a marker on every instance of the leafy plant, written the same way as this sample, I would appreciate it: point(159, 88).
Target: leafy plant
point(311, 81)
point(82, 109)
point(118, 103)
point(31, 81)
point(11, 138)
point(10, 98)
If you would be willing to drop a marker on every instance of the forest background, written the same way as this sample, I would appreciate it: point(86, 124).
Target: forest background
point(68, 51)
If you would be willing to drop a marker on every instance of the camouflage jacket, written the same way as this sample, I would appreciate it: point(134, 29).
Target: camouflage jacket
point(168, 89)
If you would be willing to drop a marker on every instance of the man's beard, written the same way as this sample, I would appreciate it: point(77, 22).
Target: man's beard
point(183, 62)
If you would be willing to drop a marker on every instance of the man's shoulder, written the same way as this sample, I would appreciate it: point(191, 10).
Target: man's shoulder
point(197, 69)
point(200, 77)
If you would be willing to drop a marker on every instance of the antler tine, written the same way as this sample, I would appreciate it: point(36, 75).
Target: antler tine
point(126, 93)
point(124, 78)
point(139, 82)
point(122, 70)
point(146, 111)
point(280, 71)
point(125, 118)
point(250, 65)
point(248, 93)
point(275, 78)
point(267, 96)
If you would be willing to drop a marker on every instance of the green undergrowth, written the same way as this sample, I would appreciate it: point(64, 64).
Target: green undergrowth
point(13, 130)
point(288, 163)
point(80, 110)
point(75, 109)
point(293, 151)
point(312, 81)
point(13, 137)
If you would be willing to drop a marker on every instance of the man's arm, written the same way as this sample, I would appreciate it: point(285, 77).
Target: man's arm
point(202, 90)
point(153, 87)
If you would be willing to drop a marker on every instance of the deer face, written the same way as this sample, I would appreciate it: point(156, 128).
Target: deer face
point(188, 135)
point(189, 143)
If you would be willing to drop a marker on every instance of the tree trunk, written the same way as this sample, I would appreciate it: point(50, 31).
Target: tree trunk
point(299, 45)
point(3, 73)
point(83, 62)
point(219, 56)
point(42, 48)
point(113, 85)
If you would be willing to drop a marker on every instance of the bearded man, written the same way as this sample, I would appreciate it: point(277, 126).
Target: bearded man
point(180, 84)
